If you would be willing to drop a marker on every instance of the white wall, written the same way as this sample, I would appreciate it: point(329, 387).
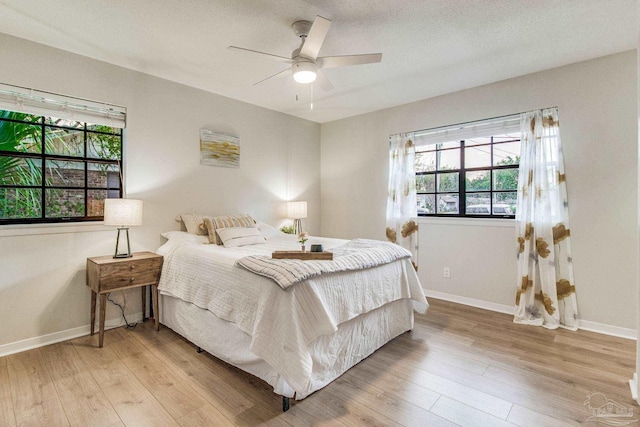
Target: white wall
point(479, 253)
point(598, 127)
point(42, 275)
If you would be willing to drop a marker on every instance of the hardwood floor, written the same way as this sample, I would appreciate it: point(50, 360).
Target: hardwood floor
point(459, 366)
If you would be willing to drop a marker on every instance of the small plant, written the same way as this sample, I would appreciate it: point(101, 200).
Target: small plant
point(288, 229)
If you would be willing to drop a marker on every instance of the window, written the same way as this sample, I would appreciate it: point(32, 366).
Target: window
point(56, 170)
point(473, 175)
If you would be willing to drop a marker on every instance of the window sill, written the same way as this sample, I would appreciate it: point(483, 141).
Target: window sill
point(468, 222)
point(41, 229)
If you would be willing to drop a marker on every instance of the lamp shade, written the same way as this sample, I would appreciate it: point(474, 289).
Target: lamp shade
point(122, 212)
point(296, 210)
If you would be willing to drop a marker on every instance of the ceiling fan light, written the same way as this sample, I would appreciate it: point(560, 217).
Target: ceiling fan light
point(305, 76)
point(304, 72)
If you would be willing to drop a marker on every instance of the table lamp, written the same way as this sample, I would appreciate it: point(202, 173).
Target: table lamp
point(122, 213)
point(296, 211)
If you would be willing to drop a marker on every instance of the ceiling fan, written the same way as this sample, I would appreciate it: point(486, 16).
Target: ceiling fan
point(305, 63)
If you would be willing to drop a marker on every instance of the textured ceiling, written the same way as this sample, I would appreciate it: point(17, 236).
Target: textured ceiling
point(430, 47)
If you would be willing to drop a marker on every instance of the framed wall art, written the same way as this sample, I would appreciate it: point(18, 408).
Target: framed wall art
point(219, 149)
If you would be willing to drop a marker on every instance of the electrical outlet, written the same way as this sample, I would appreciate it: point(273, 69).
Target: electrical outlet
point(446, 273)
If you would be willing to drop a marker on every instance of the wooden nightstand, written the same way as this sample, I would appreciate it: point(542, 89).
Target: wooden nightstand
point(107, 274)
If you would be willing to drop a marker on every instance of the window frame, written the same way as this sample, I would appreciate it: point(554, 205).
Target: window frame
point(43, 157)
point(462, 171)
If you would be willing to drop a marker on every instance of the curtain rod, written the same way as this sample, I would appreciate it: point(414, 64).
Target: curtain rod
point(463, 124)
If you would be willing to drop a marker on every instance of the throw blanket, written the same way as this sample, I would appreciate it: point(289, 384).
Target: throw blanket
point(357, 254)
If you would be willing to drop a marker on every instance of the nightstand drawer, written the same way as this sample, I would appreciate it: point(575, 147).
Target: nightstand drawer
point(131, 279)
point(130, 268)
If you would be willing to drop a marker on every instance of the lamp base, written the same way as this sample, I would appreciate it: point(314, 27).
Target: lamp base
point(128, 253)
point(297, 226)
point(123, 255)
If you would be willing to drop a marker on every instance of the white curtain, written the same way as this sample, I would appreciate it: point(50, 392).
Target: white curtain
point(401, 202)
point(546, 290)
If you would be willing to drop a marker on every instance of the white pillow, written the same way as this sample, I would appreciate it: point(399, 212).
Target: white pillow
point(240, 236)
point(183, 235)
point(267, 230)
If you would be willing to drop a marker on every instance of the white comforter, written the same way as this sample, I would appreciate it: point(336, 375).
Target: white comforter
point(357, 254)
point(281, 323)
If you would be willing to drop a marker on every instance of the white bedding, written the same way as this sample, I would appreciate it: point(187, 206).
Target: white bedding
point(332, 355)
point(281, 323)
point(357, 254)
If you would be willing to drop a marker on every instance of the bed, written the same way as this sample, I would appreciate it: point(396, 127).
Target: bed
point(297, 339)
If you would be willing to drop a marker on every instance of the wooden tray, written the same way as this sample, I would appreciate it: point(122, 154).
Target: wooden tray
point(302, 255)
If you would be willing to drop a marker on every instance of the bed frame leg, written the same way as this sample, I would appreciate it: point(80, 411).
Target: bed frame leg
point(285, 404)
point(199, 350)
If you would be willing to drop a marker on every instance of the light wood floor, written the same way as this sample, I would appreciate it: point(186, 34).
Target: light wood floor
point(459, 366)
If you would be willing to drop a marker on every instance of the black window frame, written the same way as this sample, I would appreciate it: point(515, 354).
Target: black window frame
point(462, 171)
point(49, 122)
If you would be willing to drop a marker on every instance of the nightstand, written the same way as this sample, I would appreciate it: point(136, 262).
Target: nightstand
point(107, 274)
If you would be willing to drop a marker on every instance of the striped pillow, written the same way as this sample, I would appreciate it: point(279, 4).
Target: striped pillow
point(240, 236)
point(226, 221)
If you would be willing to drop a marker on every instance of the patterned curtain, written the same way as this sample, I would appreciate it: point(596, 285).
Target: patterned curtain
point(546, 290)
point(401, 202)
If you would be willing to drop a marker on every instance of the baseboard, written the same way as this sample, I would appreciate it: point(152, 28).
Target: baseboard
point(633, 385)
point(41, 341)
point(586, 325)
point(491, 306)
point(601, 328)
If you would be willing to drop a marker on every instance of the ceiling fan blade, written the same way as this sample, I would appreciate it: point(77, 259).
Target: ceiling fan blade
point(313, 42)
point(346, 60)
point(261, 54)
point(323, 82)
point(278, 74)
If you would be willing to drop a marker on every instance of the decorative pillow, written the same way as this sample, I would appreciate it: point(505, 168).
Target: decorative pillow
point(226, 221)
point(211, 231)
point(240, 236)
point(194, 223)
point(182, 235)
